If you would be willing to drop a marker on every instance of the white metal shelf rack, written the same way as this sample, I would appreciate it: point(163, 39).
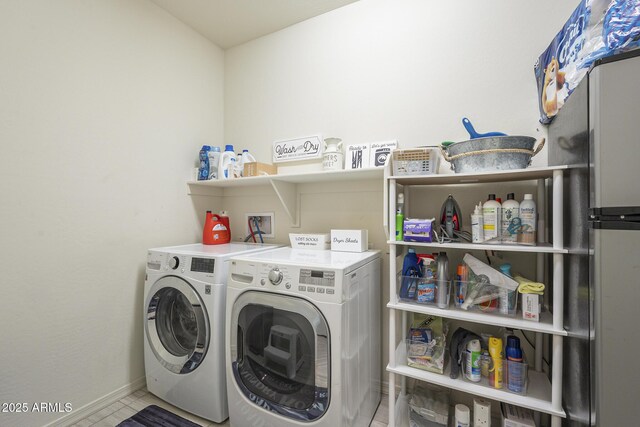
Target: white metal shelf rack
point(544, 394)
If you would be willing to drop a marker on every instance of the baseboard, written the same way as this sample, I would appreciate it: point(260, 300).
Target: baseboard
point(98, 404)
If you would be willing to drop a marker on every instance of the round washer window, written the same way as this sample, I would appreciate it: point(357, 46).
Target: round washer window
point(177, 325)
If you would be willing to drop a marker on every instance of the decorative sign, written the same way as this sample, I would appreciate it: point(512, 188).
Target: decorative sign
point(380, 151)
point(357, 156)
point(306, 148)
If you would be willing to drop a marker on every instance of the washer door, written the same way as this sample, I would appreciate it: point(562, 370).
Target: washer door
point(177, 325)
point(280, 354)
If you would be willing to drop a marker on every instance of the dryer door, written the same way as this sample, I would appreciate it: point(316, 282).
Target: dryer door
point(176, 325)
point(280, 354)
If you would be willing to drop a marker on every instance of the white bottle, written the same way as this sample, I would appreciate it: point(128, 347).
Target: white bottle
point(227, 163)
point(238, 168)
point(247, 157)
point(477, 223)
point(491, 217)
point(463, 416)
point(473, 372)
point(214, 162)
point(510, 211)
point(528, 219)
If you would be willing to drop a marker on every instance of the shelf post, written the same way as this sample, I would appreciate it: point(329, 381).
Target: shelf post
point(556, 379)
point(558, 214)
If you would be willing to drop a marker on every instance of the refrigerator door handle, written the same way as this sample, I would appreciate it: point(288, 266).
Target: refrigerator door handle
point(615, 218)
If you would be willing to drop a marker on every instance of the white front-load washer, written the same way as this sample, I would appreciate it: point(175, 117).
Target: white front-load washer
point(303, 338)
point(184, 304)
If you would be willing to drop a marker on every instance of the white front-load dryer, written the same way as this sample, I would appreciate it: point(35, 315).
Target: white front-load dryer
point(303, 338)
point(184, 305)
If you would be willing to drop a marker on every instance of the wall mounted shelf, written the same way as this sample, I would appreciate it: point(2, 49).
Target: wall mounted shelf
point(285, 186)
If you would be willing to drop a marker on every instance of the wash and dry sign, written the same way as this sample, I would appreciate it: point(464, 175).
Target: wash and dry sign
point(306, 148)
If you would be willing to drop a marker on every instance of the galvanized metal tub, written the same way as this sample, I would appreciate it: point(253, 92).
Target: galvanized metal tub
point(492, 153)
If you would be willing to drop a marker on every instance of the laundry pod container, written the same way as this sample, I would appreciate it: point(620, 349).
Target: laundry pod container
point(491, 153)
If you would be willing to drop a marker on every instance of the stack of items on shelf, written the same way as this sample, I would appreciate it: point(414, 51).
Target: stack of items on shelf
point(477, 286)
point(509, 222)
point(431, 406)
point(485, 360)
point(494, 222)
point(215, 164)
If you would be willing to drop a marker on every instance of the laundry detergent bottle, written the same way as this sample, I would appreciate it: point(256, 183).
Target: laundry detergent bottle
point(215, 232)
point(227, 163)
point(410, 272)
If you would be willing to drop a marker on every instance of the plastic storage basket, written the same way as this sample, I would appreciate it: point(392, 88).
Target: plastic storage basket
point(422, 290)
point(416, 161)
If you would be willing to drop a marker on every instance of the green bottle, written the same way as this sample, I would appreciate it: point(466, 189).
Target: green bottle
point(400, 218)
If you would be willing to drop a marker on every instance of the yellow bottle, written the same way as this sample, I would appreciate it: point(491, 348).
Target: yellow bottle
point(496, 370)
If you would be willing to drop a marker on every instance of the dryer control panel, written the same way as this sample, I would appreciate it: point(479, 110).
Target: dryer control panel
point(316, 284)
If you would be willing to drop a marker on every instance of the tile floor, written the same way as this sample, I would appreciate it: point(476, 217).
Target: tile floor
point(119, 411)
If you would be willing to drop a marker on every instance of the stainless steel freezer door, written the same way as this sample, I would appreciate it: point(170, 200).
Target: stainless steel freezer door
point(616, 278)
point(614, 121)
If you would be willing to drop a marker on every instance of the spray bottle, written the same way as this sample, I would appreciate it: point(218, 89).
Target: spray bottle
point(516, 369)
point(496, 370)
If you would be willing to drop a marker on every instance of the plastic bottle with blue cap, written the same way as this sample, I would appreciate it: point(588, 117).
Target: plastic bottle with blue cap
point(227, 163)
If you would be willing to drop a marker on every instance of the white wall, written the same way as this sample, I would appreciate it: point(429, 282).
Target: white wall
point(103, 106)
point(380, 69)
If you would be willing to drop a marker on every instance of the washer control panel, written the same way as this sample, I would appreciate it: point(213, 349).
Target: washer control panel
point(317, 284)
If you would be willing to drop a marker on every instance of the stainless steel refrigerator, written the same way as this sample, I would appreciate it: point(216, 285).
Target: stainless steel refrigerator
point(597, 132)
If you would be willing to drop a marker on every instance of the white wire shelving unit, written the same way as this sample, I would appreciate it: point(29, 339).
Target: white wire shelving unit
point(544, 393)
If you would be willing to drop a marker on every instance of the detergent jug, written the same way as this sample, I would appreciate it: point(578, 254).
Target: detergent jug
point(332, 159)
point(215, 232)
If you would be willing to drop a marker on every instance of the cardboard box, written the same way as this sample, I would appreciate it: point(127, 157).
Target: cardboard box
point(515, 416)
point(310, 241)
point(531, 307)
point(417, 230)
point(257, 169)
point(349, 240)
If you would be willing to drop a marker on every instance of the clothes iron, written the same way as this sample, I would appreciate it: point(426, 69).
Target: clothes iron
point(450, 217)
